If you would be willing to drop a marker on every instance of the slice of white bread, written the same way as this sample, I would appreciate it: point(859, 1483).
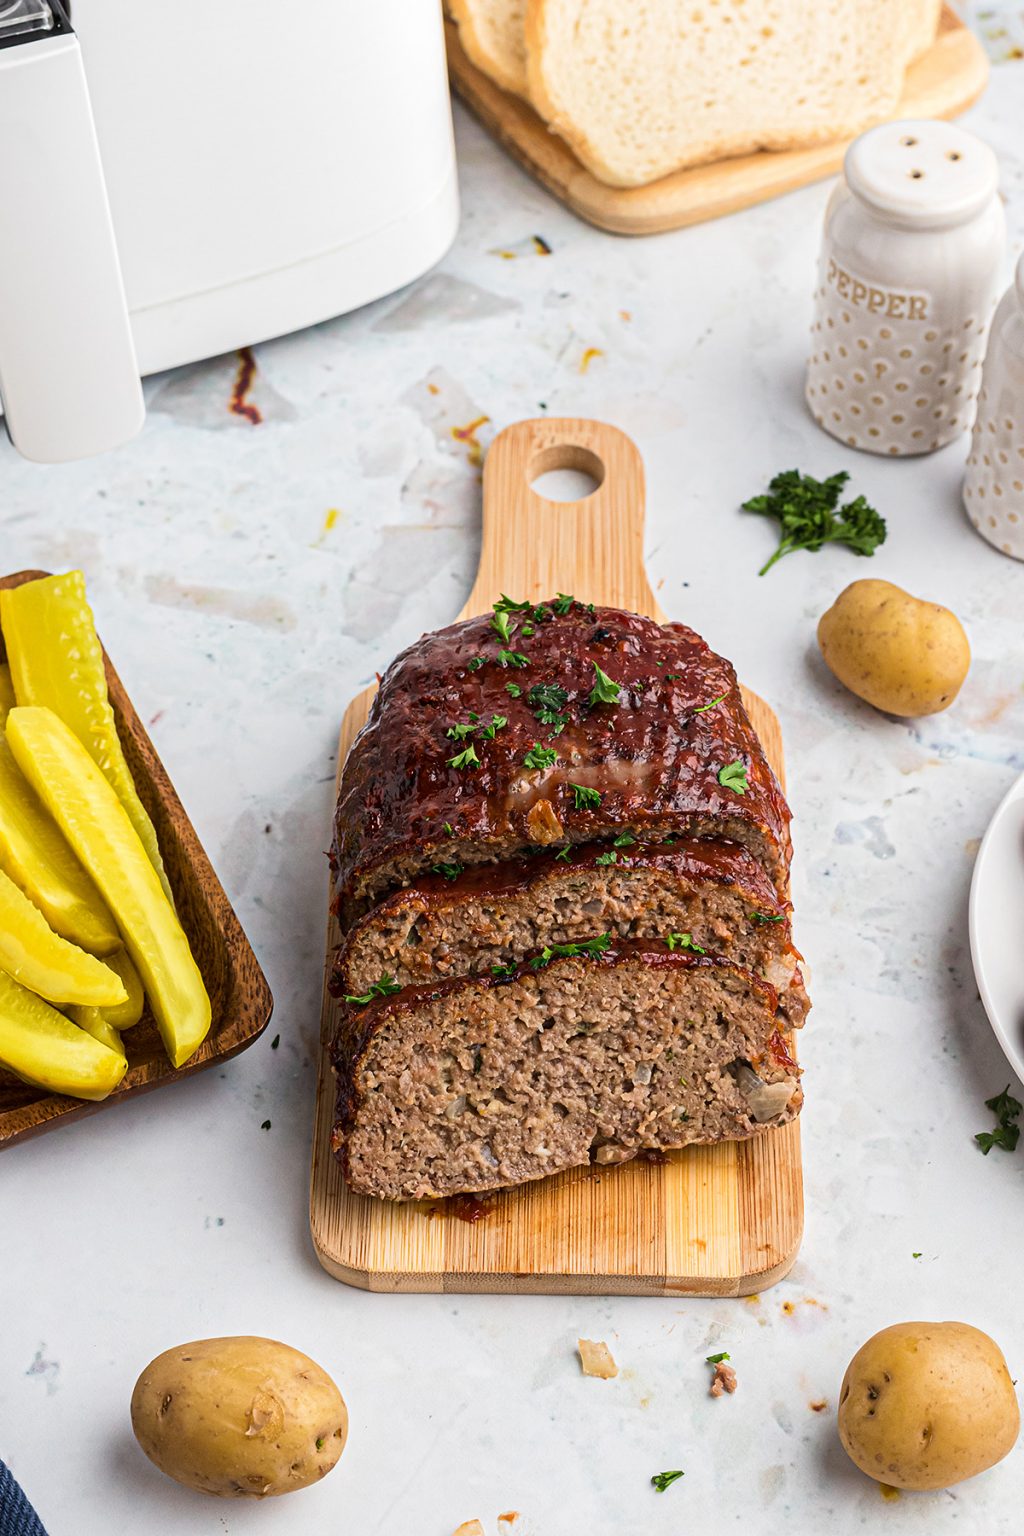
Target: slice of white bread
point(644, 89)
point(923, 20)
point(493, 35)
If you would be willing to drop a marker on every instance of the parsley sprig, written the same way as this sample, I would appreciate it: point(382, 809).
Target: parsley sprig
point(449, 871)
point(1006, 1134)
point(605, 690)
point(810, 516)
point(584, 798)
point(663, 1480)
point(540, 757)
point(734, 776)
point(561, 951)
point(382, 988)
point(683, 941)
point(466, 759)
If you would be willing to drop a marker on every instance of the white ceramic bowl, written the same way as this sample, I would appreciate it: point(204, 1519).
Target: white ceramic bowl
point(996, 919)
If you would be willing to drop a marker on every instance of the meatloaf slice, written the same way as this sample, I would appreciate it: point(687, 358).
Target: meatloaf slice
point(712, 896)
point(548, 724)
point(480, 1083)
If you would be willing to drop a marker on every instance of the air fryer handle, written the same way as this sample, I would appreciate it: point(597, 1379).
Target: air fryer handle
point(68, 376)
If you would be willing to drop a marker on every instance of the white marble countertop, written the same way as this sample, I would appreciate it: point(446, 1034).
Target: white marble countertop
point(248, 580)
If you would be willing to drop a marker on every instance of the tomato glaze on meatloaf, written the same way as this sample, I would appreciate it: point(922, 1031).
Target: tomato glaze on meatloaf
point(546, 724)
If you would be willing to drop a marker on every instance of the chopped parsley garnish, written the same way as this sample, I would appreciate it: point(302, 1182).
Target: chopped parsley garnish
point(546, 700)
point(499, 624)
point(563, 602)
point(605, 690)
point(528, 630)
point(624, 840)
point(450, 871)
point(504, 972)
point(563, 951)
point(734, 776)
point(585, 799)
point(509, 605)
point(717, 1359)
point(663, 1480)
point(382, 988)
point(320, 1442)
point(513, 659)
point(767, 917)
point(810, 516)
point(1006, 1134)
point(498, 723)
point(475, 664)
point(607, 858)
point(540, 757)
point(466, 759)
point(449, 829)
point(703, 708)
point(459, 732)
point(683, 941)
point(514, 689)
point(915, 1255)
point(563, 853)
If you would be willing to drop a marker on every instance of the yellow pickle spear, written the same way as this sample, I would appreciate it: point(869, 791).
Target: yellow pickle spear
point(56, 660)
point(127, 1014)
point(34, 853)
point(96, 825)
point(41, 960)
point(45, 1049)
point(93, 1022)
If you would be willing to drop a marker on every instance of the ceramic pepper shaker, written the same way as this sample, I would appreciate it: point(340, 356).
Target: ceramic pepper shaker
point(994, 482)
point(910, 269)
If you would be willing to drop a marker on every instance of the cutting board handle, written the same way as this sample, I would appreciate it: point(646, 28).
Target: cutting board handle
point(533, 547)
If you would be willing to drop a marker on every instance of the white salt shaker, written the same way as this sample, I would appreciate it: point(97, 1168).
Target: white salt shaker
point(994, 483)
point(910, 269)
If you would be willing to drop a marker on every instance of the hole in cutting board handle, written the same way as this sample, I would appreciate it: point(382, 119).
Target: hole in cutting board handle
point(566, 472)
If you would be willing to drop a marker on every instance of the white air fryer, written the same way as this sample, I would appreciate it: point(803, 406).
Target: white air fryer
point(183, 177)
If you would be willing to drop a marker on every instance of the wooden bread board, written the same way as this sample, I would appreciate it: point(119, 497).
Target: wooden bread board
point(708, 1221)
point(240, 998)
point(941, 83)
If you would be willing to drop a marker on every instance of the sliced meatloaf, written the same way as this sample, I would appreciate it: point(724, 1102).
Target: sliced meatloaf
point(482, 1082)
point(711, 896)
point(541, 725)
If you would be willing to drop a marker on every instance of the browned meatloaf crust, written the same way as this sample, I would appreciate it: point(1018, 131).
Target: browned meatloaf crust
point(655, 760)
point(713, 895)
point(479, 1083)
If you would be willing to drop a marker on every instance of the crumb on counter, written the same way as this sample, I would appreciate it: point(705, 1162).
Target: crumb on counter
point(469, 1528)
point(724, 1379)
point(596, 1359)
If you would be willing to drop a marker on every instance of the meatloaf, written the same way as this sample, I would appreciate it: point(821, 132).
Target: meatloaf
point(477, 1083)
point(549, 724)
point(710, 896)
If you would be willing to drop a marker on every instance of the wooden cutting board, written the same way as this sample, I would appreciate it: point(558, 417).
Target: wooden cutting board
point(708, 1221)
point(941, 83)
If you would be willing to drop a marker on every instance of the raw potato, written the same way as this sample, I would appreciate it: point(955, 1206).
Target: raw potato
point(924, 1405)
point(242, 1418)
point(901, 654)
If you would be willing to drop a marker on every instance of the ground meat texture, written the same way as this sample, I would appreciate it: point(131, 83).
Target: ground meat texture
point(476, 1084)
point(496, 914)
point(654, 757)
